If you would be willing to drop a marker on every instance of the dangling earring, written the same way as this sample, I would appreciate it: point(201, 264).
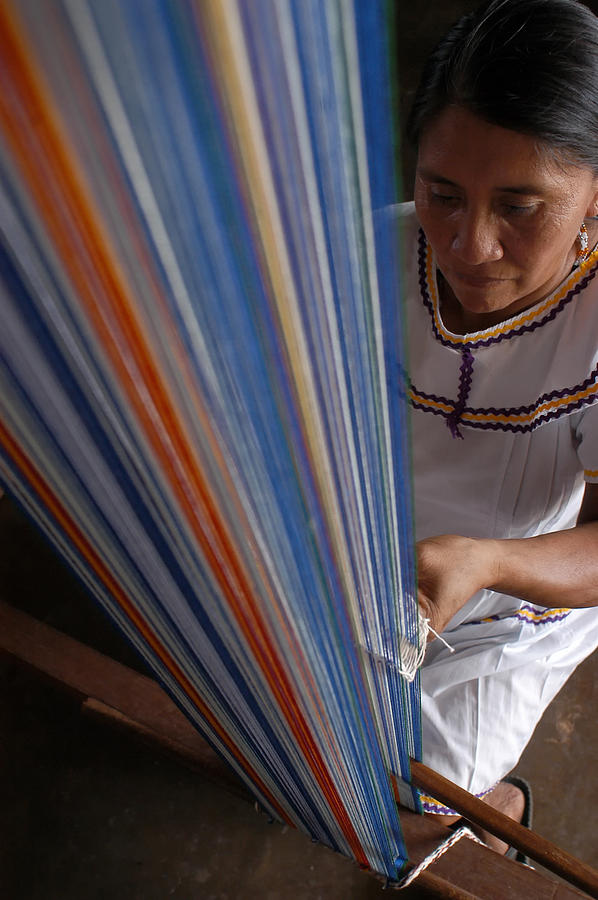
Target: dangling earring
point(583, 244)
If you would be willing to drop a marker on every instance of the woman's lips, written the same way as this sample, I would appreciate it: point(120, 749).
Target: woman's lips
point(477, 280)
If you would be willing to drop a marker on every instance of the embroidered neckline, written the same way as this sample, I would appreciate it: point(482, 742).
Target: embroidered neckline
point(529, 320)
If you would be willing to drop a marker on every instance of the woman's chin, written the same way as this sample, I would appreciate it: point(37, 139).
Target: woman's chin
point(491, 304)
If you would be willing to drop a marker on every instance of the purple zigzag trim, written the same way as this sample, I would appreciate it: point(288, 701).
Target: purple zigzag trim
point(515, 427)
point(546, 398)
point(465, 376)
point(545, 620)
point(520, 410)
point(440, 809)
point(514, 332)
point(514, 410)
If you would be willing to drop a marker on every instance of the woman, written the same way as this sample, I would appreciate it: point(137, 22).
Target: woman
point(502, 301)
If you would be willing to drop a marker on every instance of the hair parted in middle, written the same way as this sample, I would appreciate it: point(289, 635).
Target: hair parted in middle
point(527, 65)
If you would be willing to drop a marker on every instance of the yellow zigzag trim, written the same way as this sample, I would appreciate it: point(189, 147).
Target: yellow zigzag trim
point(549, 405)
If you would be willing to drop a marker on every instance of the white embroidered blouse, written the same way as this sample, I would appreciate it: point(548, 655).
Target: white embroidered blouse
point(504, 421)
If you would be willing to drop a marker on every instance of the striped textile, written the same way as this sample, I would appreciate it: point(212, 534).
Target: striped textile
point(200, 386)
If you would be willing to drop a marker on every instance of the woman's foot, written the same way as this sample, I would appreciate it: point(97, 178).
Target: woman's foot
point(507, 799)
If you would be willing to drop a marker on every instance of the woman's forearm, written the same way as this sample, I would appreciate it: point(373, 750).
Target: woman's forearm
point(553, 570)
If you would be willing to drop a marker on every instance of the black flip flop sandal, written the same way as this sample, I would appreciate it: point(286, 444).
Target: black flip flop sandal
point(526, 819)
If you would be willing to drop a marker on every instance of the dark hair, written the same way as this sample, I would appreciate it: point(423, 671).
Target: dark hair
point(527, 65)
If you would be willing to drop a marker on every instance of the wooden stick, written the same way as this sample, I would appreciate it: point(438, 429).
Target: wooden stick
point(431, 886)
point(135, 703)
point(482, 814)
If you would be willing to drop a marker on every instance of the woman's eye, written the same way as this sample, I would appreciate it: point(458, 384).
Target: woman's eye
point(521, 209)
point(443, 198)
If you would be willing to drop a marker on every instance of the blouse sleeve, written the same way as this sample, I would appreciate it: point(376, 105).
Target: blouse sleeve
point(587, 443)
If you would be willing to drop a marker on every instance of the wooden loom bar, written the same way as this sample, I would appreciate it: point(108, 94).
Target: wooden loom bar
point(480, 813)
point(431, 886)
point(134, 703)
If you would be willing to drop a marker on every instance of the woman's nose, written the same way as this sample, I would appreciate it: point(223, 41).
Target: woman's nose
point(476, 240)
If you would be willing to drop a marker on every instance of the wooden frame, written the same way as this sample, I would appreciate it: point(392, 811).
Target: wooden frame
point(128, 700)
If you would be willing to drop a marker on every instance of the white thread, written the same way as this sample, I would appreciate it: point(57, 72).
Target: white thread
point(411, 656)
point(463, 831)
point(440, 638)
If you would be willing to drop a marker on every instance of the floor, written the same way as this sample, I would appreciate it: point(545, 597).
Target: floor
point(88, 814)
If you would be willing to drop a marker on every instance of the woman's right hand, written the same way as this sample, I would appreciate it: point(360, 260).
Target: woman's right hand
point(451, 569)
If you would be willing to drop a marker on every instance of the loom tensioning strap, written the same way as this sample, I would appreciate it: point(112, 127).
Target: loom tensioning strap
point(436, 854)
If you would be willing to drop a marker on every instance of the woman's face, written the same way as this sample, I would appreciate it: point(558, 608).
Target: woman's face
point(502, 216)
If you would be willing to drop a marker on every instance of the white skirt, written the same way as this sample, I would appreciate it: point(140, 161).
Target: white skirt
point(481, 704)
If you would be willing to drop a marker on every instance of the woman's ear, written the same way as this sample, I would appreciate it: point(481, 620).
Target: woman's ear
point(592, 210)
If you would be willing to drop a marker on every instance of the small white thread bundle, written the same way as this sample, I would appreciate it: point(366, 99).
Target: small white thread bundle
point(411, 656)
